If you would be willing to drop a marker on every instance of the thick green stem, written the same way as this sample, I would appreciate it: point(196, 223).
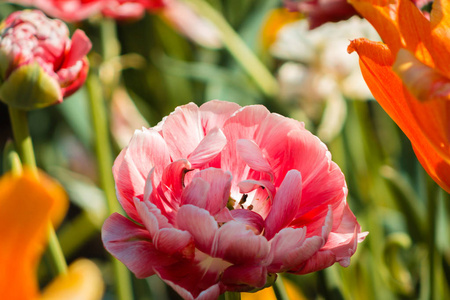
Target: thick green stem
point(237, 47)
point(104, 165)
point(22, 138)
point(24, 145)
point(232, 296)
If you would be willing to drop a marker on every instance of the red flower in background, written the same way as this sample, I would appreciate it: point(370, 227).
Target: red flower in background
point(224, 197)
point(319, 12)
point(78, 10)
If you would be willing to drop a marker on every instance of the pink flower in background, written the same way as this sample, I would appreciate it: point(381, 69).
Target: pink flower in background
point(176, 13)
point(223, 197)
point(130, 9)
point(39, 63)
point(78, 10)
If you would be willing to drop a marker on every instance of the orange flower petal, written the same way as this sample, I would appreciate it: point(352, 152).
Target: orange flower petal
point(82, 281)
point(440, 26)
point(422, 81)
point(381, 14)
point(422, 122)
point(24, 213)
point(415, 31)
point(26, 207)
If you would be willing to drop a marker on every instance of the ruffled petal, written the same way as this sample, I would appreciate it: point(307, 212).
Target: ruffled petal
point(208, 148)
point(146, 150)
point(200, 224)
point(172, 185)
point(80, 47)
point(209, 189)
point(251, 219)
point(285, 204)
point(271, 139)
point(131, 244)
point(253, 156)
point(194, 279)
point(284, 242)
point(242, 125)
point(183, 125)
point(151, 217)
point(244, 278)
point(236, 244)
point(214, 113)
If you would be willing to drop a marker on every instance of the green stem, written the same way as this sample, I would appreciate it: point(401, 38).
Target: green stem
point(22, 138)
point(237, 47)
point(232, 296)
point(11, 159)
point(280, 290)
point(104, 164)
point(432, 224)
point(102, 141)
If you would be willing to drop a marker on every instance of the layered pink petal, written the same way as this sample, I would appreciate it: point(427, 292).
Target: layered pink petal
point(236, 244)
point(253, 156)
point(211, 145)
point(146, 150)
point(200, 224)
point(214, 113)
point(131, 244)
point(285, 204)
point(244, 278)
point(320, 260)
point(151, 217)
point(209, 189)
point(80, 47)
point(194, 278)
point(271, 139)
point(282, 243)
point(183, 125)
point(171, 187)
point(241, 125)
point(252, 220)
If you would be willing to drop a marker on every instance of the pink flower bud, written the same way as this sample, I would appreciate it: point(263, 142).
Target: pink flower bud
point(39, 63)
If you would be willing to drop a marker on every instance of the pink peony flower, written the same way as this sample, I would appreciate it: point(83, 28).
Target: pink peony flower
point(78, 10)
point(39, 63)
point(223, 197)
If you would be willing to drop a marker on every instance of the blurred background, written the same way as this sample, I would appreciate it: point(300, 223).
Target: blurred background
point(145, 68)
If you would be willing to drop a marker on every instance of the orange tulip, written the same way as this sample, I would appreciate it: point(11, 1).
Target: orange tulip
point(25, 210)
point(27, 205)
point(409, 75)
